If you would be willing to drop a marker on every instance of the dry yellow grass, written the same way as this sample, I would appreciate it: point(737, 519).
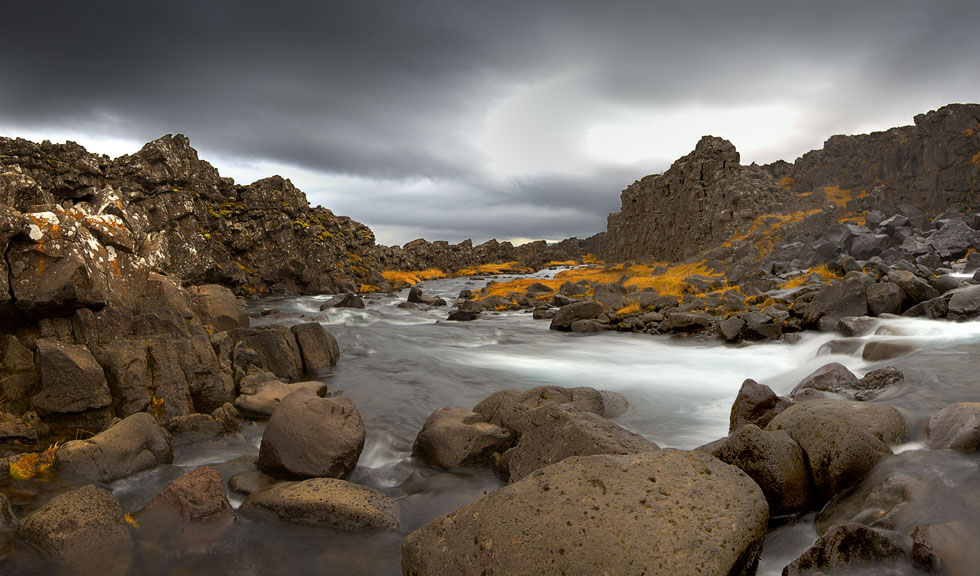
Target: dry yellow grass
point(562, 263)
point(629, 309)
point(787, 182)
point(494, 269)
point(817, 274)
point(30, 465)
point(976, 158)
point(836, 195)
point(591, 258)
point(518, 285)
point(968, 132)
point(401, 277)
point(368, 288)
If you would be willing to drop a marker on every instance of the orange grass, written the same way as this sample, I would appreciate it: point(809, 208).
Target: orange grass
point(836, 195)
point(821, 274)
point(519, 285)
point(787, 182)
point(493, 269)
point(367, 288)
point(562, 263)
point(411, 278)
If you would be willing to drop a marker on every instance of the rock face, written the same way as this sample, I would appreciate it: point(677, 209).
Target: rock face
point(136, 443)
point(327, 502)
point(72, 383)
point(666, 512)
point(421, 254)
point(454, 437)
point(312, 436)
point(956, 427)
point(82, 531)
point(707, 198)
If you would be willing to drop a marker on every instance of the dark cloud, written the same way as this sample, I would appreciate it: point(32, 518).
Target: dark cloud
point(398, 93)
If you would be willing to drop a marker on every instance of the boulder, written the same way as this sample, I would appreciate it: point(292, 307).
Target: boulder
point(614, 404)
point(312, 436)
point(463, 315)
point(668, 512)
point(874, 382)
point(964, 303)
point(884, 298)
point(774, 461)
point(755, 404)
point(878, 350)
point(731, 328)
point(127, 374)
point(584, 310)
point(134, 444)
point(587, 327)
point(455, 437)
point(687, 321)
point(83, 531)
point(218, 306)
point(512, 408)
point(415, 296)
point(852, 326)
point(277, 350)
point(848, 547)
point(955, 427)
point(914, 288)
point(317, 347)
point(198, 424)
point(191, 513)
point(557, 431)
point(842, 440)
point(229, 416)
point(343, 301)
point(8, 521)
point(931, 309)
point(262, 393)
point(327, 502)
point(72, 383)
point(759, 326)
point(832, 377)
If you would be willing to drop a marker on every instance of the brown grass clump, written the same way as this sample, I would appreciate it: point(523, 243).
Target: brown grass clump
point(787, 182)
point(968, 132)
point(976, 158)
point(30, 465)
point(494, 269)
point(818, 274)
point(368, 288)
point(562, 263)
point(765, 229)
point(401, 278)
point(518, 285)
point(629, 309)
point(836, 195)
point(591, 258)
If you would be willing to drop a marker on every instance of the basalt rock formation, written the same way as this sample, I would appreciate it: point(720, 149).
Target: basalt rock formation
point(707, 197)
point(174, 213)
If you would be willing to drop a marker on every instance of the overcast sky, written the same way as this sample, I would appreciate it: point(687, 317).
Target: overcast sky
point(456, 119)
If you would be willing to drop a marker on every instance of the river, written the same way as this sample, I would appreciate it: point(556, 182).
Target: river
point(399, 365)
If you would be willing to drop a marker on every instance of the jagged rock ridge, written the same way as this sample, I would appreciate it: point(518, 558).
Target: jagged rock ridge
point(706, 197)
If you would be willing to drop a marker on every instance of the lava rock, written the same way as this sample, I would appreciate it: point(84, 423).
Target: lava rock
point(956, 427)
point(218, 306)
point(585, 310)
point(847, 547)
point(191, 513)
point(755, 404)
point(327, 502)
point(317, 347)
point(134, 444)
point(455, 437)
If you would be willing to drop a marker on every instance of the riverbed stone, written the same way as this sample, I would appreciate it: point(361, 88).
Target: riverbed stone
point(842, 440)
point(557, 431)
point(956, 427)
point(884, 298)
point(831, 377)
point(277, 350)
point(878, 350)
point(512, 408)
point(776, 463)
point(318, 348)
point(134, 444)
point(262, 394)
point(191, 513)
point(327, 502)
point(584, 310)
point(310, 436)
point(83, 531)
point(665, 512)
point(848, 547)
point(455, 437)
point(755, 404)
point(964, 303)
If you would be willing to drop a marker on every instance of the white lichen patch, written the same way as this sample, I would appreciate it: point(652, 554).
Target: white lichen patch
point(111, 252)
point(34, 232)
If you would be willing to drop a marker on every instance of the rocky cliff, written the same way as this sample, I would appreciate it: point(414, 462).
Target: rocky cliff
point(707, 197)
point(421, 254)
point(165, 208)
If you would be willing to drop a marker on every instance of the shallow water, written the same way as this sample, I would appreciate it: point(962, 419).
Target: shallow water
point(400, 365)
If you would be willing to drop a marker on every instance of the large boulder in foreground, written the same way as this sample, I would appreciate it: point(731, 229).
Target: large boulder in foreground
point(317, 347)
point(218, 306)
point(83, 532)
point(134, 444)
point(310, 436)
point(842, 440)
point(454, 437)
point(557, 431)
point(327, 502)
point(662, 512)
point(755, 404)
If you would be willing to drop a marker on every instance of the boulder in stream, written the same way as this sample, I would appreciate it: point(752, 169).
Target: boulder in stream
point(454, 437)
point(327, 502)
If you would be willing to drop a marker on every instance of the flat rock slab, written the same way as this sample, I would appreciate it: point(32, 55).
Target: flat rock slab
point(663, 512)
point(327, 502)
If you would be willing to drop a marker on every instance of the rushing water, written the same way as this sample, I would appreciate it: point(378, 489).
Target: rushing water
point(399, 365)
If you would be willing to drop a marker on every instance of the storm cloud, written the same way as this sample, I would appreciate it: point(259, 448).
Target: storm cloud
point(454, 120)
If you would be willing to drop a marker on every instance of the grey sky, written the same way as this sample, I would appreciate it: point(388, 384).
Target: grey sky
point(455, 119)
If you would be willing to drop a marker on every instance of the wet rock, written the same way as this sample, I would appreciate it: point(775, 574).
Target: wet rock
point(229, 416)
point(277, 350)
point(613, 404)
point(250, 482)
point(199, 424)
point(585, 310)
point(8, 521)
point(964, 303)
point(874, 382)
point(318, 348)
point(262, 393)
point(686, 500)
point(557, 431)
point(190, 514)
point(327, 502)
point(512, 408)
point(343, 301)
point(312, 436)
point(455, 437)
point(931, 309)
point(731, 328)
point(544, 313)
point(848, 547)
point(463, 315)
point(755, 404)
point(687, 321)
point(73, 385)
point(416, 296)
point(134, 444)
point(946, 283)
point(855, 326)
point(956, 427)
point(878, 350)
point(774, 461)
point(885, 298)
point(842, 440)
point(832, 377)
point(219, 307)
point(83, 532)
point(946, 548)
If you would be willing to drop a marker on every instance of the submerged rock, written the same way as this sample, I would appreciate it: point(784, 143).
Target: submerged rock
point(135, 444)
point(191, 513)
point(848, 547)
point(956, 427)
point(668, 511)
point(327, 502)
